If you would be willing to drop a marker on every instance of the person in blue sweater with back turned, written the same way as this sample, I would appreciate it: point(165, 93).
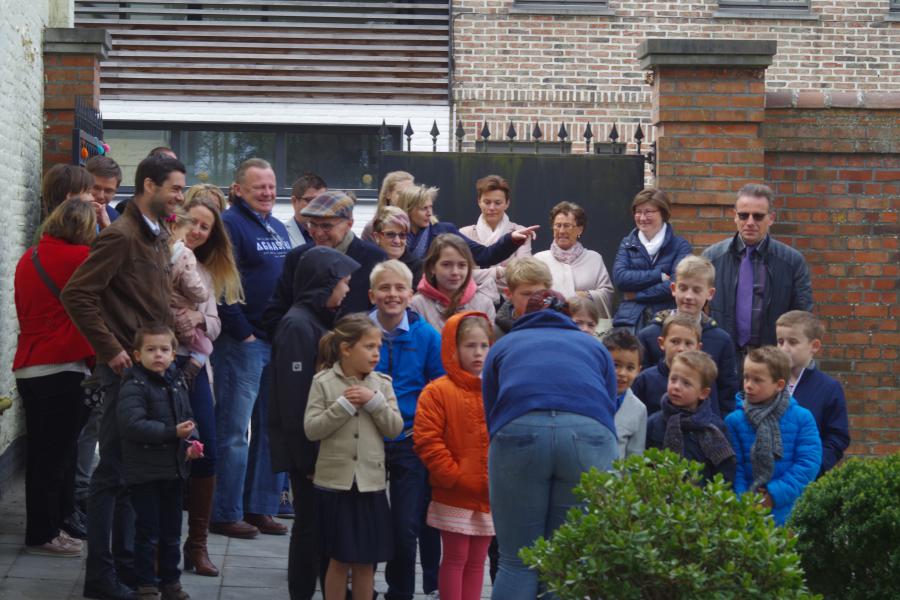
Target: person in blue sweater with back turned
point(247, 492)
point(800, 336)
point(411, 355)
point(550, 403)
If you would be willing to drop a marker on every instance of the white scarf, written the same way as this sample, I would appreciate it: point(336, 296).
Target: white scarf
point(488, 236)
point(652, 246)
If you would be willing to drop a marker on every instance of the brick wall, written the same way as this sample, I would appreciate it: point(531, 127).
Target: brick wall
point(67, 76)
point(580, 69)
point(20, 171)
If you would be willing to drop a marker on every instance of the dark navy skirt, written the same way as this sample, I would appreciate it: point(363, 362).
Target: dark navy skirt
point(355, 527)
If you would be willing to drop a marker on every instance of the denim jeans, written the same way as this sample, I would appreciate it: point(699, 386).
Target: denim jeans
point(110, 514)
point(202, 406)
point(408, 480)
point(157, 535)
point(534, 462)
point(87, 454)
point(245, 480)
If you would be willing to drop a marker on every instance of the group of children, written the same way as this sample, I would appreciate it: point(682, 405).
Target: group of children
point(676, 379)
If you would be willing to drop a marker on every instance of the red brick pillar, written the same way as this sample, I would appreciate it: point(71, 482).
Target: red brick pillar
point(708, 107)
point(71, 69)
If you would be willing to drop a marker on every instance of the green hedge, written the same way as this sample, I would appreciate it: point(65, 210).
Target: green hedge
point(651, 531)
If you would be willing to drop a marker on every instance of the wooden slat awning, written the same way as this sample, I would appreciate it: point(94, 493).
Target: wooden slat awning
point(273, 50)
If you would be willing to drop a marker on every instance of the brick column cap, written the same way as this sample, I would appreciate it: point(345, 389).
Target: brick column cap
point(75, 40)
point(656, 52)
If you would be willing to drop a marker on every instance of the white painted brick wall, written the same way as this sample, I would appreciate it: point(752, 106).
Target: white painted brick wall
point(21, 124)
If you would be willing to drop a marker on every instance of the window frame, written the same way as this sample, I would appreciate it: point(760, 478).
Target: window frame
point(562, 7)
point(281, 131)
point(764, 9)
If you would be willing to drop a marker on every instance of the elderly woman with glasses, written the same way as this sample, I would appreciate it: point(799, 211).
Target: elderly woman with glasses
point(646, 261)
point(575, 269)
point(390, 230)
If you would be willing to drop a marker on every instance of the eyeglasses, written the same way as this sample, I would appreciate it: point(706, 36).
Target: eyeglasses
point(758, 217)
point(645, 213)
point(394, 235)
point(564, 226)
point(326, 227)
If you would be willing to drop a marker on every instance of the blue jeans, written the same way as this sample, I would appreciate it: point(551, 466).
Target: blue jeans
point(245, 480)
point(408, 480)
point(201, 399)
point(157, 535)
point(534, 462)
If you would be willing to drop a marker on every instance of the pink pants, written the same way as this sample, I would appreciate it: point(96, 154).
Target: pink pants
point(462, 565)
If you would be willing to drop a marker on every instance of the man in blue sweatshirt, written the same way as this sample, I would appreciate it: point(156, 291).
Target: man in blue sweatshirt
point(247, 492)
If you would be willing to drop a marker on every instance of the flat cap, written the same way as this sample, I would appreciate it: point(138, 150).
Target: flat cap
point(331, 204)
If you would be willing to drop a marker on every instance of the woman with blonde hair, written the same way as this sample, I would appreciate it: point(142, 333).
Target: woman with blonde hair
point(418, 202)
point(206, 190)
point(208, 240)
point(392, 183)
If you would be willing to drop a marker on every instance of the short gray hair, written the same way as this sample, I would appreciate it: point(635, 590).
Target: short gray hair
point(758, 190)
point(250, 163)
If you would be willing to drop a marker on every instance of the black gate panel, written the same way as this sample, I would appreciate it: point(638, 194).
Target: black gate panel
point(604, 185)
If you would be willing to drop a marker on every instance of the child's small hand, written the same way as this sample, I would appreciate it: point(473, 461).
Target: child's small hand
point(182, 430)
point(358, 395)
point(767, 498)
point(195, 450)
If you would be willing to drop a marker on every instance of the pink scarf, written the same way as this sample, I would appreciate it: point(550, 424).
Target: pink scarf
point(566, 257)
point(432, 293)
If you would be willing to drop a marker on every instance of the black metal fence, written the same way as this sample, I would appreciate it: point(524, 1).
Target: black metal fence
point(87, 133)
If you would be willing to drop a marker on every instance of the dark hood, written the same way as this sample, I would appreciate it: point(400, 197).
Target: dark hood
point(318, 271)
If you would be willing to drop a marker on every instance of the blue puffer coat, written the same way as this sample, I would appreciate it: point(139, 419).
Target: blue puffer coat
point(794, 471)
point(635, 271)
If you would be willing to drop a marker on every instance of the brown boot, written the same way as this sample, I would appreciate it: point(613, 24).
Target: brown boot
point(173, 591)
point(199, 507)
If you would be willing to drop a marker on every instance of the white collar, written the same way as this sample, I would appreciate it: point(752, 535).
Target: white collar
point(152, 224)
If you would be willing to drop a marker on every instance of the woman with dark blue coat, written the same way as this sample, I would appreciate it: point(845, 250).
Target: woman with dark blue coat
point(646, 261)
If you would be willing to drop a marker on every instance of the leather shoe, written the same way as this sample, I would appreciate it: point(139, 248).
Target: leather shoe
point(235, 529)
point(75, 525)
point(110, 590)
point(266, 524)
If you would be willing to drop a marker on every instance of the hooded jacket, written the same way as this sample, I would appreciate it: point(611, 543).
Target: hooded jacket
point(295, 349)
point(412, 359)
point(798, 466)
point(365, 254)
point(546, 363)
point(787, 285)
point(450, 434)
point(635, 271)
point(149, 407)
point(716, 343)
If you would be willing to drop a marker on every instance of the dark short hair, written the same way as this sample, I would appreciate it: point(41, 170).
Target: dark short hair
point(305, 182)
point(160, 150)
point(155, 167)
point(104, 166)
point(778, 363)
point(61, 181)
point(656, 198)
point(491, 183)
point(569, 208)
point(153, 329)
point(621, 338)
point(757, 190)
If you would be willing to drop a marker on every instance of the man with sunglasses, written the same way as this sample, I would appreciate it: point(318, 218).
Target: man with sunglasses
point(758, 278)
point(329, 221)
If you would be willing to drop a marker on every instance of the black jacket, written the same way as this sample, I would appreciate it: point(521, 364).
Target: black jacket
point(149, 408)
point(295, 349)
point(788, 286)
point(366, 254)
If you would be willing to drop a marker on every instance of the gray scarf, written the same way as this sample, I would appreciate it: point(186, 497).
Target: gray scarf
point(767, 448)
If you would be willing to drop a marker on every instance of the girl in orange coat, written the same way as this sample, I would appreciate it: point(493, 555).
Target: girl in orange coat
point(451, 438)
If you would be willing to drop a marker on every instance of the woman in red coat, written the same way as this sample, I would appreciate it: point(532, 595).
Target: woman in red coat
point(51, 361)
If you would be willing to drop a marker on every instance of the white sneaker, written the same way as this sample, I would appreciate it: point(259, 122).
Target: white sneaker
point(74, 542)
point(55, 547)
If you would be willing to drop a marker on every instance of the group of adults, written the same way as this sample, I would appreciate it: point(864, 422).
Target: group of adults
point(94, 276)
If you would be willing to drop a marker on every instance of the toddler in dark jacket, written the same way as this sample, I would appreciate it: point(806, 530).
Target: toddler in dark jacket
point(686, 423)
point(158, 438)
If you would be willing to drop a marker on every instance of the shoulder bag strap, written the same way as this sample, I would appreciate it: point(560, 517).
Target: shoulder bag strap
point(43, 274)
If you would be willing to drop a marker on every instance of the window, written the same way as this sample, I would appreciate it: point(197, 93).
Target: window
point(764, 8)
point(895, 6)
point(346, 157)
point(591, 7)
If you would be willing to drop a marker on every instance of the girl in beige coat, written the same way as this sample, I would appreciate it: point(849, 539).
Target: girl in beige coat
point(351, 409)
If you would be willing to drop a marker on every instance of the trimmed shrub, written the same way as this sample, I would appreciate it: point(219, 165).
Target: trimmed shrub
point(649, 530)
point(848, 530)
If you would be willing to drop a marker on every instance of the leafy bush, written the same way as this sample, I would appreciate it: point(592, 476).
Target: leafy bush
point(650, 531)
point(848, 529)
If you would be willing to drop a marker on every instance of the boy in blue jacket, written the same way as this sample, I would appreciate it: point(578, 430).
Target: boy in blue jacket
point(775, 440)
point(411, 355)
point(799, 335)
point(694, 286)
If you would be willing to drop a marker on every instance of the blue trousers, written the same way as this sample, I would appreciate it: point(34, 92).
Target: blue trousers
point(157, 535)
point(202, 406)
point(534, 462)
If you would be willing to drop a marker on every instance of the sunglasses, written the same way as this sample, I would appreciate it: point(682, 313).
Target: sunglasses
point(758, 217)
